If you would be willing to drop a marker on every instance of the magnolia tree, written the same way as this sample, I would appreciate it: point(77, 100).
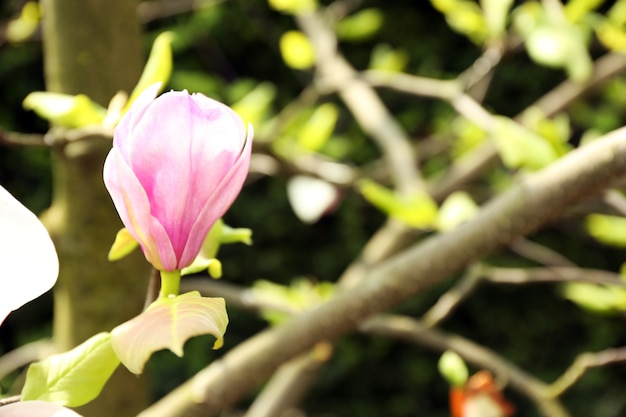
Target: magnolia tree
point(174, 162)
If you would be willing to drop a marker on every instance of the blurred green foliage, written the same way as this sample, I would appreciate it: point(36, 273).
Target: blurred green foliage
point(230, 51)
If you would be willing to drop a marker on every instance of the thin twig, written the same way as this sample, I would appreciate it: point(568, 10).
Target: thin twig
point(21, 139)
point(582, 363)
point(24, 355)
point(539, 253)
point(448, 302)
point(9, 400)
point(552, 274)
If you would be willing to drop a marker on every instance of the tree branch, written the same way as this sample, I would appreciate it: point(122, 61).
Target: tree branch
point(526, 206)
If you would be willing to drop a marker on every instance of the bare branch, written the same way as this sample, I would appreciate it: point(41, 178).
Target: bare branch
point(21, 139)
point(554, 274)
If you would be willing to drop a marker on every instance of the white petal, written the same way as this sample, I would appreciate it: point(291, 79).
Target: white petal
point(29, 264)
point(310, 197)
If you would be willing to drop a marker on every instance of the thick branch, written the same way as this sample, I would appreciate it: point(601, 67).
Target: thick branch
point(534, 201)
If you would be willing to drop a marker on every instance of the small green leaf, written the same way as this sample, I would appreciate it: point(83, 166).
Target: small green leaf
point(158, 67)
point(452, 367)
point(168, 323)
point(256, 104)
point(300, 296)
point(25, 25)
point(124, 244)
point(361, 25)
point(456, 209)
point(386, 58)
point(293, 6)
point(519, 147)
point(418, 210)
point(297, 50)
point(577, 10)
point(495, 12)
point(316, 131)
point(65, 110)
point(72, 378)
point(607, 229)
point(597, 298)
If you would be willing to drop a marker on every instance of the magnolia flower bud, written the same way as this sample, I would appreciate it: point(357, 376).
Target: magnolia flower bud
point(177, 164)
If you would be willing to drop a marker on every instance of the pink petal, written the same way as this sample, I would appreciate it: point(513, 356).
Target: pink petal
point(133, 206)
point(219, 202)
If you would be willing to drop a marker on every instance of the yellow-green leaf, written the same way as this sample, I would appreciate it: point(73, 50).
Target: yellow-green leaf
point(254, 106)
point(607, 229)
point(123, 245)
point(521, 148)
point(597, 298)
point(297, 50)
point(316, 131)
point(293, 6)
point(418, 210)
point(452, 367)
point(158, 67)
point(361, 25)
point(72, 378)
point(65, 110)
point(456, 209)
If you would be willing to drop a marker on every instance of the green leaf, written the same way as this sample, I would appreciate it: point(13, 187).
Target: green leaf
point(418, 210)
point(456, 209)
point(124, 244)
point(361, 25)
point(453, 369)
point(65, 110)
point(293, 6)
point(576, 10)
point(158, 67)
point(72, 378)
point(316, 131)
point(607, 229)
point(299, 296)
point(255, 105)
point(219, 234)
point(597, 298)
point(297, 50)
point(168, 323)
point(386, 58)
point(495, 12)
point(519, 147)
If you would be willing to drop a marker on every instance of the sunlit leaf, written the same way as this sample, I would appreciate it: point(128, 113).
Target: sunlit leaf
point(456, 209)
point(65, 110)
point(299, 296)
point(576, 10)
point(521, 148)
point(361, 25)
point(72, 378)
point(296, 50)
point(560, 45)
point(123, 245)
point(495, 12)
point(158, 67)
point(452, 367)
point(254, 106)
point(418, 210)
point(597, 298)
point(167, 324)
point(25, 25)
point(293, 6)
point(386, 58)
point(607, 229)
point(316, 131)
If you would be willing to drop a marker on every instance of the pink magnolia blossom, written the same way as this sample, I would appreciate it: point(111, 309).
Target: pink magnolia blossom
point(177, 164)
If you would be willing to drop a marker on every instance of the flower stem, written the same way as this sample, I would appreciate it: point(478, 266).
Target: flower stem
point(170, 283)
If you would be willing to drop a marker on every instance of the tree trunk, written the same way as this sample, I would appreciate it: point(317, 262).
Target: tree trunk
point(92, 47)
